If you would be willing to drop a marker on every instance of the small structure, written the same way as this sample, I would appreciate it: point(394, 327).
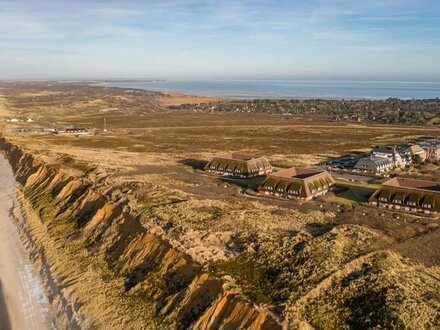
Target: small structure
point(239, 165)
point(416, 151)
point(30, 120)
point(409, 195)
point(76, 131)
point(295, 183)
point(374, 164)
point(12, 120)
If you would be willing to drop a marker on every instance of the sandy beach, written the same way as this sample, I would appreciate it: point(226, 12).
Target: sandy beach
point(23, 304)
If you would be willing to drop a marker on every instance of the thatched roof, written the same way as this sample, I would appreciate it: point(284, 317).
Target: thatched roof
point(298, 182)
point(373, 163)
point(239, 164)
point(409, 192)
point(413, 184)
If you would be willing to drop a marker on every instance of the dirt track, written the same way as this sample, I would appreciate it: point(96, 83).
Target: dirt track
point(23, 304)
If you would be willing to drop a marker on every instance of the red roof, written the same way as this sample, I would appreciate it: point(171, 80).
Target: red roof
point(413, 184)
point(297, 173)
point(237, 156)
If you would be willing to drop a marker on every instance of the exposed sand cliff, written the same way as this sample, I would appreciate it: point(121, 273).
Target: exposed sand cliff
point(113, 271)
point(129, 233)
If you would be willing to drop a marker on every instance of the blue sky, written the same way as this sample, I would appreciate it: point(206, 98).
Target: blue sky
point(309, 39)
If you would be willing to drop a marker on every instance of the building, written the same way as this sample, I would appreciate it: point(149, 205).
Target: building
point(77, 131)
point(432, 152)
point(392, 154)
point(303, 184)
point(409, 195)
point(374, 164)
point(416, 151)
point(239, 165)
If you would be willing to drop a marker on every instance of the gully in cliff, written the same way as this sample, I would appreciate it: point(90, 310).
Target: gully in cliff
point(114, 271)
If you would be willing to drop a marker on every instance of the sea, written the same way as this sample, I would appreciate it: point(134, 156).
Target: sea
point(289, 89)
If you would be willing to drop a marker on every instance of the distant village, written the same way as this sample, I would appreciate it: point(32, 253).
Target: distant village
point(390, 111)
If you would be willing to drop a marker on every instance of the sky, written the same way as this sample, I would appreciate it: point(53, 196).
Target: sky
point(228, 39)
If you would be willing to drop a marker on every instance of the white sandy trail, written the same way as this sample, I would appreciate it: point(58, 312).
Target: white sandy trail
point(23, 303)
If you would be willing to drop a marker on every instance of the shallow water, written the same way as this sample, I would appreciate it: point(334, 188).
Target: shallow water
point(252, 89)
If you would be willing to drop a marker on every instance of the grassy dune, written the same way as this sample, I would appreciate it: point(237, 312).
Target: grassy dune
point(332, 263)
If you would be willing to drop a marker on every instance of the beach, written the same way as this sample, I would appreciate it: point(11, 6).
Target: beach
point(23, 303)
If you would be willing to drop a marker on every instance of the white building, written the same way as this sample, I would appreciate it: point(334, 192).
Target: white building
point(12, 120)
point(390, 153)
point(374, 164)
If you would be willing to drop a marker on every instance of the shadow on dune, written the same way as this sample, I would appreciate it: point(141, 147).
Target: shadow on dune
point(5, 323)
point(196, 164)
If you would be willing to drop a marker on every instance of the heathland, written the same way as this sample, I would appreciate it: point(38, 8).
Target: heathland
point(158, 243)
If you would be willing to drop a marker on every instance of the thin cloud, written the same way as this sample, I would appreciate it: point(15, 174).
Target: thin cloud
point(223, 34)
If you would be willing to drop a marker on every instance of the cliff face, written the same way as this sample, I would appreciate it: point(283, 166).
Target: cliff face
point(135, 268)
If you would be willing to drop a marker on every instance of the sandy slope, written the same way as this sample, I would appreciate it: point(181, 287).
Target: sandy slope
point(23, 304)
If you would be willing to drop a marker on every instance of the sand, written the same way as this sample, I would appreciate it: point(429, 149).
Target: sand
point(175, 98)
point(23, 303)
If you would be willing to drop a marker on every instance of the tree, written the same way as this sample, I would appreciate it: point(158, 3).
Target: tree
point(418, 160)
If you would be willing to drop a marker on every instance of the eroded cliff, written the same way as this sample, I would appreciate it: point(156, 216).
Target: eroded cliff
point(113, 270)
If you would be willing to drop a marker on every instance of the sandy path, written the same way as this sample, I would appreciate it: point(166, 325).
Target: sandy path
point(23, 304)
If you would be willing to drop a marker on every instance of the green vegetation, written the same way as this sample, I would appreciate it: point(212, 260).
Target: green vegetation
point(393, 111)
point(255, 279)
point(72, 163)
point(353, 194)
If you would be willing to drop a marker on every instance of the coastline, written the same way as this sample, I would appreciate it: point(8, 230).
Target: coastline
point(63, 306)
point(45, 304)
point(285, 89)
point(23, 294)
point(98, 227)
point(92, 264)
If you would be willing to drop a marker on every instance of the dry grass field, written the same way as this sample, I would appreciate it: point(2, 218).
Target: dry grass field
point(288, 255)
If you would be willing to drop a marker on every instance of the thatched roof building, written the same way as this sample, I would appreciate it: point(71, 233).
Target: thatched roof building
point(408, 195)
point(298, 183)
point(239, 165)
point(374, 164)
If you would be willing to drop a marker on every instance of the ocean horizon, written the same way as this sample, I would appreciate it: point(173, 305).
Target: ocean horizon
point(288, 89)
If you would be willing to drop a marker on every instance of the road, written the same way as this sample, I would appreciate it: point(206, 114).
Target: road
point(23, 303)
point(153, 99)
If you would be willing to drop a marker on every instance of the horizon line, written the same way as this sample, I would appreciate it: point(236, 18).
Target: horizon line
point(152, 79)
